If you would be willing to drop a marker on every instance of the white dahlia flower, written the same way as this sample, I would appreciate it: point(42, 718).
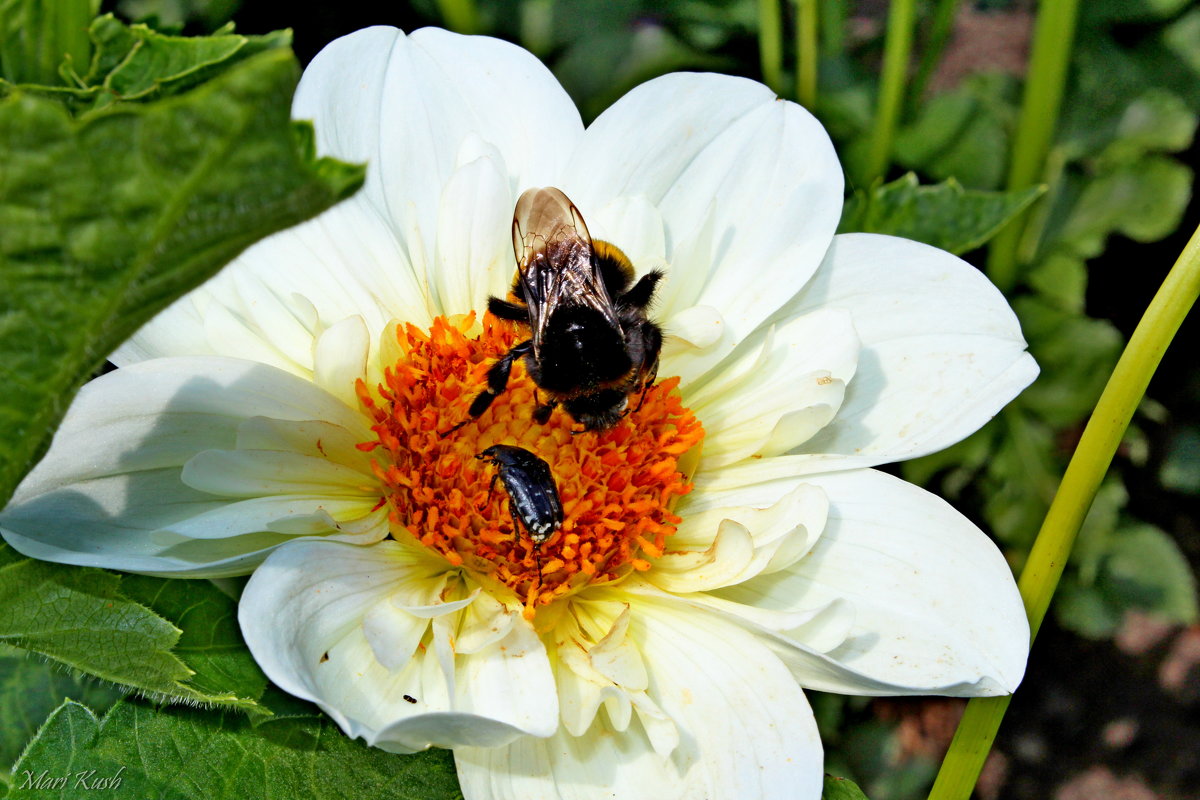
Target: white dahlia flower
point(724, 545)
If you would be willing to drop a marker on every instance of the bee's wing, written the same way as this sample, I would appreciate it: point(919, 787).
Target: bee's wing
point(555, 266)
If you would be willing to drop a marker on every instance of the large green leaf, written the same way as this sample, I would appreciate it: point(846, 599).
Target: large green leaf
point(180, 754)
point(82, 619)
point(106, 219)
point(211, 641)
point(30, 688)
point(944, 215)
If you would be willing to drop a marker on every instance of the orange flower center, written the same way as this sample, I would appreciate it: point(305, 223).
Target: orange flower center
point(617, 486)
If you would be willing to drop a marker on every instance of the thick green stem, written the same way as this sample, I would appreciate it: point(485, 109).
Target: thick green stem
point(832, 20)
point(940, 26)
point(1088, 466)
point(1052, 38)
point(770, 42)
point(896, 49)
point(460, 15)
point(806, 53)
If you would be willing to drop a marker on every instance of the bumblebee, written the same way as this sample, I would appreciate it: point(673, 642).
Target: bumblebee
point(533, 495)
point(591, 343)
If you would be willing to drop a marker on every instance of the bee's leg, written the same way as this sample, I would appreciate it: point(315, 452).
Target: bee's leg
point(506, 310)
point(497, 378)
point(541, 414)
point(651, 336)
point(642, 292)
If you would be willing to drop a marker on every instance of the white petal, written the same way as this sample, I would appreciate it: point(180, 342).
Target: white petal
point(634, 225)
point(418, 99)
point(604, 765)
point(694, 144)
point(474, 237)
point(253, 473)
point(746, 728)
point(340, 358)
point(780, 387)
point(309, 617)
point(109, 493)
point(942, 350)
point(408, 106)
point(728, 537)
point(936, 607)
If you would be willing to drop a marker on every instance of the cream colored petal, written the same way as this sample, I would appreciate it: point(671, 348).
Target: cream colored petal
point(936, 609)
point(109, 491)
point(725, 152)
point(474, 255)
point(721, 542)
point(942, 350)
point(634, 225)
point(340, 358)
point(777, 390)
point(311, 616)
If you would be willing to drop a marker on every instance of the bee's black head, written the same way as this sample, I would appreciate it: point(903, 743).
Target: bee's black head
point(599, 410)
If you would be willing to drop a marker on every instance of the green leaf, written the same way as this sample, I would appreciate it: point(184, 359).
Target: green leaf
point(1157, 121)
point(30, 688)
point(209, 14)
point(80, 618)
point(1021, 478)
point(182, 754)
point(1099, 530)
point(37, 35)
point(138, 63)
point(841, 789)
point(1142, 569)
point(211, 641)
point(1076, 354)
point(1147, 569)
point(945, 215)
point(1060, 278)
point(1180, 469)
point(1144, 200)
point(1085, 609)
point(963, 133)
point(109, 218)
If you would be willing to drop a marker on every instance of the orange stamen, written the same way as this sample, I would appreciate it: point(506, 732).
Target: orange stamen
point(616, 486)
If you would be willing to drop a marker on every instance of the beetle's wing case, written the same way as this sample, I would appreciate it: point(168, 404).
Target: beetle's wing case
point(555, 260)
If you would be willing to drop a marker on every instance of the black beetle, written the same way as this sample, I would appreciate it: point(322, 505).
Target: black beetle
point(533, 495)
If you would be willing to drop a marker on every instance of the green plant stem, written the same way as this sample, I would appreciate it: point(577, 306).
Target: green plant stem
point(1053, 35)
point(940, 26)
point(1091, 460)
point(832, 20)
point(806, 53)
point(770, 42)
point(460, 16)
point(896, 49)
point(537, 26)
